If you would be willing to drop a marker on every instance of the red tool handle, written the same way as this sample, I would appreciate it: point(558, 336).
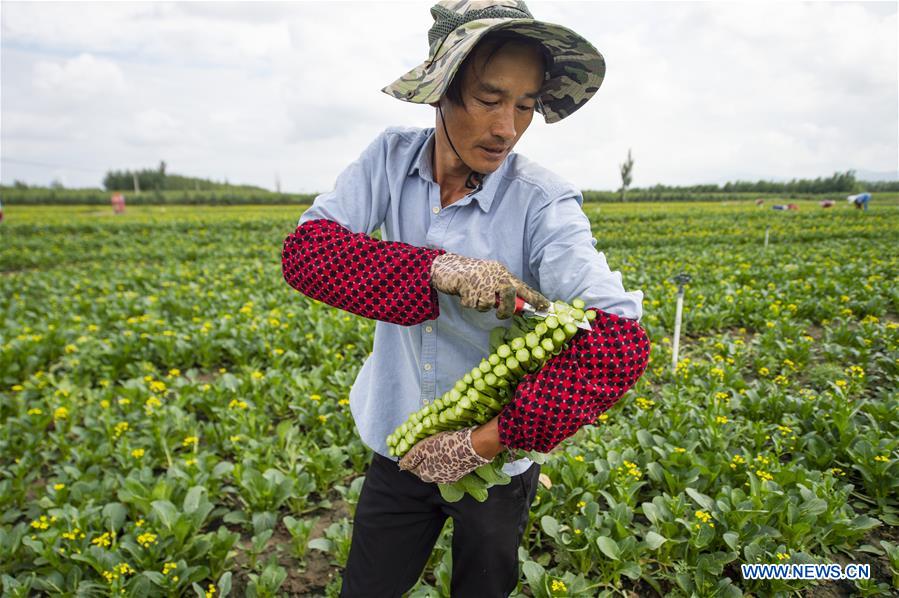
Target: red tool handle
point(519, 304)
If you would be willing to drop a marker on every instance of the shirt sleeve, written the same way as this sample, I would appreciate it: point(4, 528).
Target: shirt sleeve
point(361, 194)
point(575, 386)
point(564, 260)
point(330, 256)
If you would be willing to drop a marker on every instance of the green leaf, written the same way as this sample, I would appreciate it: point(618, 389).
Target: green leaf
point(732, 539)
point(322, 544)
point(534, 573)
point(550, 526)
point(609, 547)
point(224, 584)
point(654, 540)
point(645, 438)
point(192, 499)
point(166, 512)
point(704, 501)
point(115, 513)
point(273, 576)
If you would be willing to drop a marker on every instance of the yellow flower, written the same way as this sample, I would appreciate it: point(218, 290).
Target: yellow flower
point(577, 531)
point(58, 487)
point(174, 372)
point(210, 591)
point(703, 516)
point(234, 438)
point(603, 417)
point(644, 403)
point(190, 441)
point(18, 388)
point(190, 462)
point(41, 523)
point(158, 386)
point(882, 459)
point(235, 404)
point(783, 556)
point(720, 419)
point(343, 402)
point(146, 539)
point(581, 504)
point(721, 395)
point(855, 371)
point(61, 413)
point(764, 474)
point(168, 568)
point(840, 383)
point(837, 471)
point(139, 523)
point(763, 371)
point(104, 404)
point(315, 398)
point(137, 453)
point(151, 404)
point(121, 428)
point(678, 449)
point(278, 352)
point(71, 348)
point(579, 458)
point(558, 586)
point(257, 375)
point(34, 411)
point(322, 418)
point(104, 540)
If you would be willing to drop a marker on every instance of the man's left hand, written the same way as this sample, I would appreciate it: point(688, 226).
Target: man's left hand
point(443, 458)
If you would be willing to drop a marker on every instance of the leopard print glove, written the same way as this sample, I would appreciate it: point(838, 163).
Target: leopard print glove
point(480, 283)
point(443, 458)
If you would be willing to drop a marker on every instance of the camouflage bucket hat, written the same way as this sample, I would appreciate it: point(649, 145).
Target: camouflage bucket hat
point(574, 74)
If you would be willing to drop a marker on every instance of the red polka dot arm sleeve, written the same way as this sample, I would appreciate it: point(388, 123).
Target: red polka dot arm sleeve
point(575, 386)
point(382, 280)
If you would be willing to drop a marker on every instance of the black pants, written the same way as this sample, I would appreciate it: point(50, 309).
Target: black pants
point(399, 518)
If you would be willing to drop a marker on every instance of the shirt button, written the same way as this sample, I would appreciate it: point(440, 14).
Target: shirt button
point(435, 209)
point(428, 329)
point(428, 367)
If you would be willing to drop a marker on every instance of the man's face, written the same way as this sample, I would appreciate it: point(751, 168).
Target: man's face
point(499, 102)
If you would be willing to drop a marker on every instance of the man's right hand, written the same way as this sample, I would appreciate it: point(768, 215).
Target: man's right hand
point(480, 282)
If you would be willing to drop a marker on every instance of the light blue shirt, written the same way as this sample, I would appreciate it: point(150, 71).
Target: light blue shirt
point(524, 216)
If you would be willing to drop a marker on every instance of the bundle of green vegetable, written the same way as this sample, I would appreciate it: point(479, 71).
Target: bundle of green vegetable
point(482, 393)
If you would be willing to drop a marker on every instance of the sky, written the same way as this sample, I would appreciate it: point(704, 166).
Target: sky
point(289, 93)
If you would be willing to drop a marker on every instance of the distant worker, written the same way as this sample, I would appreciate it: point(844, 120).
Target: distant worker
point(118, 203)
point(1, 211)
point(860, 201)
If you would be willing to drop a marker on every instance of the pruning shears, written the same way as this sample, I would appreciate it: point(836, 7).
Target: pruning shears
point(523, 307)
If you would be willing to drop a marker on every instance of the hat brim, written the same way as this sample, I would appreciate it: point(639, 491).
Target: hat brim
point(575, 75)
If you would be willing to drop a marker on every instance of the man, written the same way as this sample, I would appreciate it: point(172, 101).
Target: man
point(466, 226)
point(860, 200)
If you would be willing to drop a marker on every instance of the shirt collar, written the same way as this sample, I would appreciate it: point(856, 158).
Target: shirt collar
point(422, 163)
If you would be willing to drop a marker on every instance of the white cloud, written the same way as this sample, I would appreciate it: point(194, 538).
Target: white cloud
point(79, 78)
point(701, 91)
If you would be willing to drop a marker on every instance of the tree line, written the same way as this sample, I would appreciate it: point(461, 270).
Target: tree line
point(157, 179)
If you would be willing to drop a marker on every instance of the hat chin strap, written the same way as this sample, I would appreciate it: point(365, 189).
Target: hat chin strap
point(475, 179)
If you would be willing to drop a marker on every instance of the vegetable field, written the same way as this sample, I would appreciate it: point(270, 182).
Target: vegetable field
point(174, 419)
